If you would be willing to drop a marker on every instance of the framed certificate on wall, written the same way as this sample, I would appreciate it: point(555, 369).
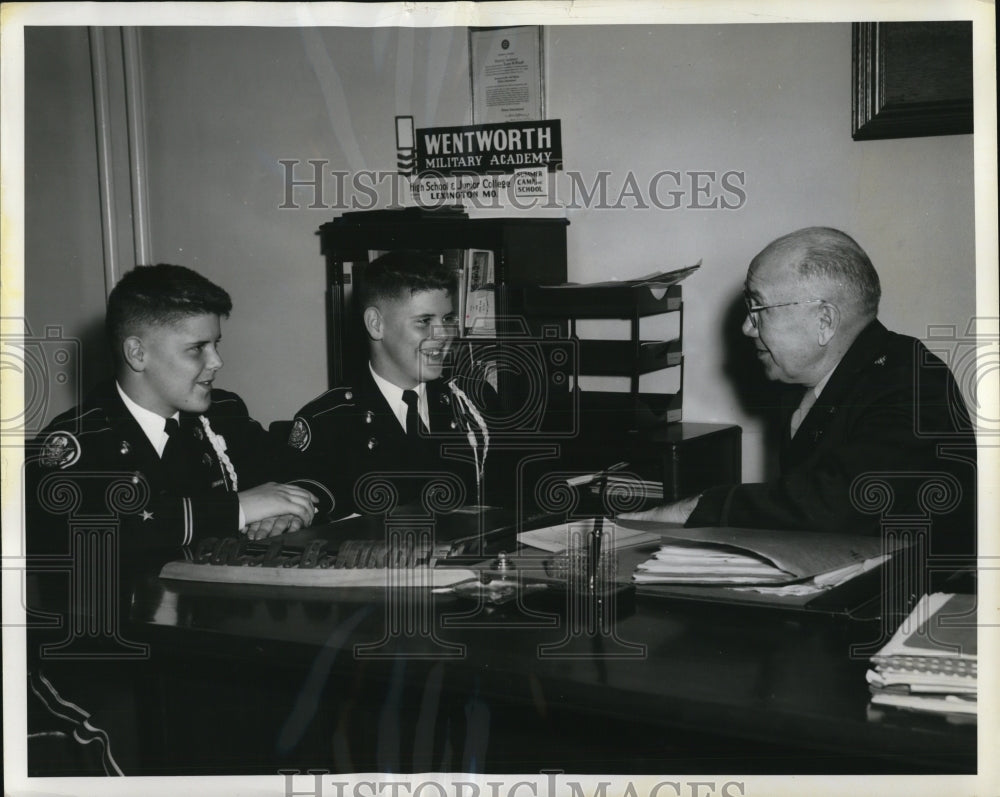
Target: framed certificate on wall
point(506, 71)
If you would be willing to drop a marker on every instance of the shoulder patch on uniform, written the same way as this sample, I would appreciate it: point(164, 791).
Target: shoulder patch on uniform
point(60, 450)
point(301, 435)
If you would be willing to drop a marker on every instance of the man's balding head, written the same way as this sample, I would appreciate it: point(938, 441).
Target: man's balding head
point(832, 262)
point(809, 295)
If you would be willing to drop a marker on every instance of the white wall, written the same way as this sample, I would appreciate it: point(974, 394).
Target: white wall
point(63, 275)
point(771, 101)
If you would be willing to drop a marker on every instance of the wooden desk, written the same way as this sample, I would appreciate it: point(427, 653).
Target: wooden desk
point(250, 679)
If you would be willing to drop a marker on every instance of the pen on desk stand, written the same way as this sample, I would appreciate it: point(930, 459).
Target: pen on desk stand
point(597, 534)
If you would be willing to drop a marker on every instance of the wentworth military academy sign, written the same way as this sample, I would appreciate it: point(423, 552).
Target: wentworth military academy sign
point(502, 147)
point(481, 149)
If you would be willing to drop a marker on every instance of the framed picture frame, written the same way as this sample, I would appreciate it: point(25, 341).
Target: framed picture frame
point(911, 79)
point(507, 74)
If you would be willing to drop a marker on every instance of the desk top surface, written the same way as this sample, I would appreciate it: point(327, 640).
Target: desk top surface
point(758, 673)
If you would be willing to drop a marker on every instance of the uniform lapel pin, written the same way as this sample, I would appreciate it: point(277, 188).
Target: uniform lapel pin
point(124, 448)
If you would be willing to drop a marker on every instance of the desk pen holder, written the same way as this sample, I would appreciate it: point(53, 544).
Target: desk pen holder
point(600, 586)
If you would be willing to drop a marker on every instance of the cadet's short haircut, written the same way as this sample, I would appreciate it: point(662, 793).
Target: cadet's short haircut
point(159, 295)
point(402, 273)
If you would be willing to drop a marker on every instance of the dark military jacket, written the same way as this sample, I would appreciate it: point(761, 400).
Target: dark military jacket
point(888, 438)
point(95, 460)
point(355, 445)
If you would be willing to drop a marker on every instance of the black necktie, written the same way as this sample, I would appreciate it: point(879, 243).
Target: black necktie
point(173, 454)
point(412, 416)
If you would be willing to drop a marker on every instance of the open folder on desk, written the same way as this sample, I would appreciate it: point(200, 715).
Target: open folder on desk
point(754, 565)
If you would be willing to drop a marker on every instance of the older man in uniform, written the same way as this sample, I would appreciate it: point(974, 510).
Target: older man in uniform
point(874, 405)
point(398, 427)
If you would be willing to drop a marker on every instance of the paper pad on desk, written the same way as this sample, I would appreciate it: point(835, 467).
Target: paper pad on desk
point(727, 555)
point(556, 539)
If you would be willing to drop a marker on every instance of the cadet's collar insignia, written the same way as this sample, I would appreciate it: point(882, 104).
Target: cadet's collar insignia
point(60, 450)
point(146, 515)
point(369, 416)
point(372, 443)
point(207, 459)
point(445, 399)
point(135, 477)
point(124, 448)
point(301, 435)
point(198, 433)
point(881, 360)
point(453, 424)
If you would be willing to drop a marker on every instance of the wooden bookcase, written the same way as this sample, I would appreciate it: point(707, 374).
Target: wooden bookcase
point(526, 252)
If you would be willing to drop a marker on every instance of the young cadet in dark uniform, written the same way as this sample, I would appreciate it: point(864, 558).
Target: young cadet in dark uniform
point(873, 404)
point(205, 465)
point(397, 423)
point(166, 458)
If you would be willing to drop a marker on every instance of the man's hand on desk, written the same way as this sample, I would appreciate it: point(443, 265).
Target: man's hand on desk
point(676, 512)
point(272, 527)
point(273, 502)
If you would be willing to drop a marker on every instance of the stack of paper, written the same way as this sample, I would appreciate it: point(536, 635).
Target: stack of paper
point(679, 563)
point(733, 556)
point(930, 662)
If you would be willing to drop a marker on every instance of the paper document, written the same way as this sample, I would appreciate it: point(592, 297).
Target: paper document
point(556, 539)
point(663, 279)
point(802, 554)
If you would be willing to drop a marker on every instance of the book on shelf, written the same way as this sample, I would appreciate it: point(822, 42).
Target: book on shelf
point(480, 293)
point(930, 663)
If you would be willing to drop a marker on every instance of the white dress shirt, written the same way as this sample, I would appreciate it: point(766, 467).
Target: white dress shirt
point(808, 399)
point(154, 427)
point(394, 396)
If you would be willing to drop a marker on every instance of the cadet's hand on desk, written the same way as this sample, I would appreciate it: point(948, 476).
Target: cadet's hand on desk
point(676, 512)
point(271, 500)
point(272, 526)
